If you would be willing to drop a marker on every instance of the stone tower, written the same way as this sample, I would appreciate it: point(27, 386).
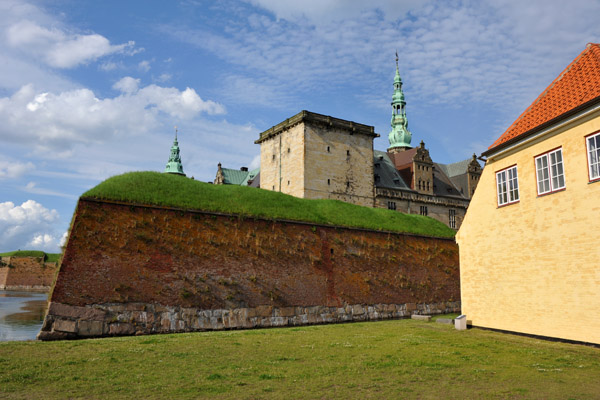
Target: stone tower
point(473, 174)
point(174, 164)
point(316, 156)
point(399, 136)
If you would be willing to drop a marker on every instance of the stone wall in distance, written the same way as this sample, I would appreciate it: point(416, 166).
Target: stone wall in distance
point(26, 273)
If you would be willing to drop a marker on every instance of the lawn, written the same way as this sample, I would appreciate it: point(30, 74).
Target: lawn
point(379, 360)
point(50, 257)
point(155, 188)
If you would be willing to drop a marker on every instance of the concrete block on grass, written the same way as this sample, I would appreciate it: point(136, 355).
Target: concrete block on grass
point(426, 318)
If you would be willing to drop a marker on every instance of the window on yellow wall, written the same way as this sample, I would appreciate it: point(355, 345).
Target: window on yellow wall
point(593, 151)
point(507, 183)
point(550, 172)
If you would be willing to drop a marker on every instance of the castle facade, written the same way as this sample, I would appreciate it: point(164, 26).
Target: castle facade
point(315, 156)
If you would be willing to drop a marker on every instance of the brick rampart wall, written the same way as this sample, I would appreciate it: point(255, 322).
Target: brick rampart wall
point(26, 273)
point(134, 269)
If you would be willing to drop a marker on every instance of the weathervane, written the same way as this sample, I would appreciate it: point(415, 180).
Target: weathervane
point(396, 59)
point(175, 132)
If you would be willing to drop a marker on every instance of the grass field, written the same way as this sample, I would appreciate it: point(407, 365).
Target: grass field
point(378, 360)
point(50, 257)
point(177, 191)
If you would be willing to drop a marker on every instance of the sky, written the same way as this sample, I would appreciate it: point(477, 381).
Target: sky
point(93, 89)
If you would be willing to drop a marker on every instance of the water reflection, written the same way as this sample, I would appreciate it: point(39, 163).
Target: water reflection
point(21, 314)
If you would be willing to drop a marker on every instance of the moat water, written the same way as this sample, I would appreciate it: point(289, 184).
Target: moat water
point(21, 314)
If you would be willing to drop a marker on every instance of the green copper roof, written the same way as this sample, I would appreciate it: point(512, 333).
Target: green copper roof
point(399, 136)
point(238, 177)
point(174, 164)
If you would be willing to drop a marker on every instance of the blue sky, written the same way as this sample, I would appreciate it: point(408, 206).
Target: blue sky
point(89, 89)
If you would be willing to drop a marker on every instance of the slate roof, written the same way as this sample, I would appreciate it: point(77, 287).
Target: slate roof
point(387, 173)
point(577, 85)
point(456, 168)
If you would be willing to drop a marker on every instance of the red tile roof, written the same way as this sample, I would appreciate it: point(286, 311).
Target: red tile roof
point(576, 85)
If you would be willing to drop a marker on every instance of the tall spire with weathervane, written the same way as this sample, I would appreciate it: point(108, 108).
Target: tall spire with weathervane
point(174, 164)
point(399, 136)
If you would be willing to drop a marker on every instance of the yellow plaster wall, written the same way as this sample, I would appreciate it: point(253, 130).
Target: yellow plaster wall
point(534, 266)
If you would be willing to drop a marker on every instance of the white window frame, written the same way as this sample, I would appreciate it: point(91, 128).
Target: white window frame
point(593, 156)
point(452, 218)
point(550, 172)
point(507, 186)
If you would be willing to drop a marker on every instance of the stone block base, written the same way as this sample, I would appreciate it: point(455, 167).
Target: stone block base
point(121, 319)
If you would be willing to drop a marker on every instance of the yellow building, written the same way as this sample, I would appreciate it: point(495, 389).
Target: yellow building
point(530, 241)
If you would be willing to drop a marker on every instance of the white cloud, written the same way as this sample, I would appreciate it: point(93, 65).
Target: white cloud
point(28, 225)
point(11, 169)
point(451, 53)
point(332, 11)
point(108, 66)
point(59, 121)
point(165, 77)
point(255, 163)
point(57, 48)
point(32, 188)
point(144, 66)
point(127, 85)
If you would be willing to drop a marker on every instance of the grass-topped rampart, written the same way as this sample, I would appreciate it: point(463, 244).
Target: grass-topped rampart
point(153, 188)
point(50, 257)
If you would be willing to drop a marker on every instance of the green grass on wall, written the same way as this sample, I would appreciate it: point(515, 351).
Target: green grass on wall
point(153, 188)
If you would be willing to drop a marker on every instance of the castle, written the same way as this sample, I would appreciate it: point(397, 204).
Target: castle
point(316, 156)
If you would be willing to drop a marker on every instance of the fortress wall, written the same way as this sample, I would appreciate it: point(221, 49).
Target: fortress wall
point(131, 269)
point(26, 273)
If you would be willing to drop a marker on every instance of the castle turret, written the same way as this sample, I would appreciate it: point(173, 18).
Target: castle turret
point(399, 136)
point(174, 164)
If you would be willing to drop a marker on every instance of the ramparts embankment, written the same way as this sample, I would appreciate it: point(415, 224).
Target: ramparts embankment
point(26, 273)
point(130, 269)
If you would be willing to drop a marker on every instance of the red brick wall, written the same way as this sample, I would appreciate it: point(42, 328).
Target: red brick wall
point(124, 254)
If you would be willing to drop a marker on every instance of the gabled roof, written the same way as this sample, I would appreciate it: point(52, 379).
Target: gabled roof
point(457, 168)
point(577, 85)
point(443, 185)
point(403, 158)
point(238, 177)
point(387, 173)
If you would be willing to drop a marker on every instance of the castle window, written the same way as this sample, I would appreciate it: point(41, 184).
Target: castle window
point(347, 184)
point(427, 185)
point(549, 172)
point(452, 218)
point(507, 183)
point(273, 157)
point(593, 150)
point(348, 152)
point(391, 205)
point(273, 187)
point(288, 182)
point(329, 181)
point(288, 149)
point(423, 210)
point(328, 149)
